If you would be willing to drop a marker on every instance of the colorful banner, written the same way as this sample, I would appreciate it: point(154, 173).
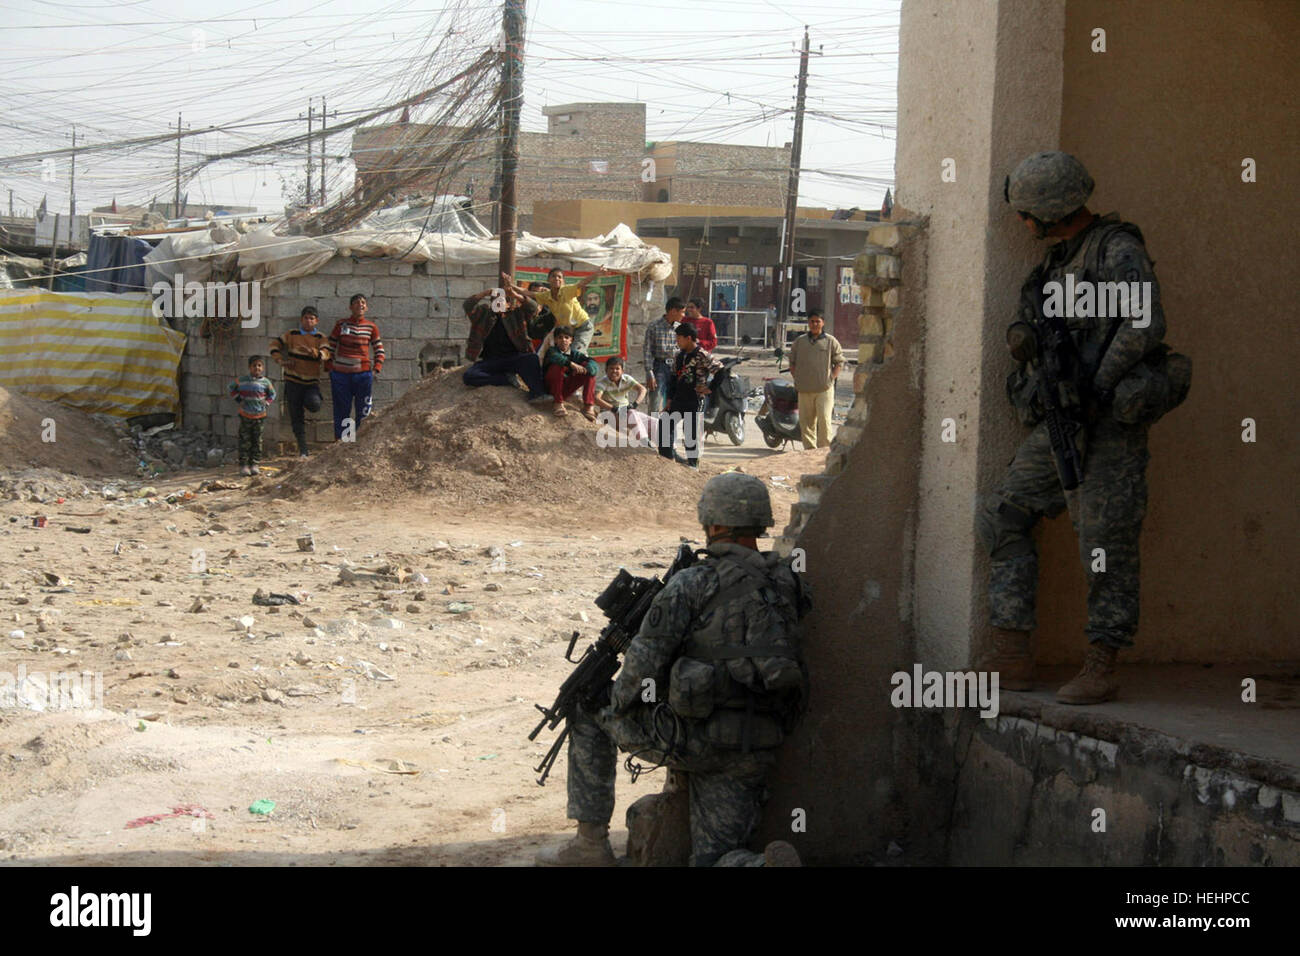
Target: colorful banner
point(606, 300)
point(95, 351)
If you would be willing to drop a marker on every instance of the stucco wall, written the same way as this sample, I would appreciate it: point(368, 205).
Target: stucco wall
point(979, 84)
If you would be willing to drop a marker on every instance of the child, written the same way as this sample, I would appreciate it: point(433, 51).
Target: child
point(617, 387)
point(253, 393)
point(566, 370)
point(615, 392)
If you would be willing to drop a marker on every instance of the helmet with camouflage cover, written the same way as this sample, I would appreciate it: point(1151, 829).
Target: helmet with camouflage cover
point(1049, 186)
point(734, 500)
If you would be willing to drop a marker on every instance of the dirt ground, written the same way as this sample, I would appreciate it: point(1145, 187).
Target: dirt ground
point(386, 716)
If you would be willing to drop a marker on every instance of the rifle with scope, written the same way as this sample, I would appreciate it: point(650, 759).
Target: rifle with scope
point(625, 601)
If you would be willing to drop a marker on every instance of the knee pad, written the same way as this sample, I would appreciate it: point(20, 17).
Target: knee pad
point(1003, 527)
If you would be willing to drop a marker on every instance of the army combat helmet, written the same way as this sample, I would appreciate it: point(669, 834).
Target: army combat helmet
point(735, 501)
point(1049, 186)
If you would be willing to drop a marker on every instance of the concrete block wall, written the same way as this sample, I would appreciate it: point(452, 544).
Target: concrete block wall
point(416, 306)
point(878, 271)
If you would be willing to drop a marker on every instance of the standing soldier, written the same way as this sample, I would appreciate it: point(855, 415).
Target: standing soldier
point(722, 639)
point(1119, 379)
point(815, 362)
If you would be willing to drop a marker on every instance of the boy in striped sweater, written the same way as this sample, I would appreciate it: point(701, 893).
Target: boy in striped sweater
point(253, 393)
point(352, 372)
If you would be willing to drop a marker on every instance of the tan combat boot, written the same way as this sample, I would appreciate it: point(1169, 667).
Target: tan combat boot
point(589, 848)
point(1096, 682)
point(1011, 659)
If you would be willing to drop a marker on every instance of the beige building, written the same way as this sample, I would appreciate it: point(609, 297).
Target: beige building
point(1185, 116)
point(595, 151)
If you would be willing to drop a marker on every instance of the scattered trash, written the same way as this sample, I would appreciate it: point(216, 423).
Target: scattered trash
point(76, 530)
point(262, 807)
point(39, 521)
point(198, 605)
point(273, 599)
point(17, 635)
point(148, 491)
point(373, 672)
point(246, 622)
point(488, 757)
point(182, 810)
point(301, 691)
point(579, 616)
point(516, 544)
point(379, 766)
point(459, 607)
point(307, 543)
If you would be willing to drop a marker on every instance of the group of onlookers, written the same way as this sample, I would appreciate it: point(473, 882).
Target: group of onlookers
point(533, 337)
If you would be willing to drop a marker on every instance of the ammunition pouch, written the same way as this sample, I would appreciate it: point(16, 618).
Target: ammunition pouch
point(690, 688)
point(1154, 386)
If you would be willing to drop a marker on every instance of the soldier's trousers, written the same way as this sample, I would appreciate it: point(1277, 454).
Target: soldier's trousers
point(1107, 510)
point(726, 790)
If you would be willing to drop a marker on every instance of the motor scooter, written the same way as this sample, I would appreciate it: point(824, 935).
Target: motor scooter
point(778, 419)
point(725, 409)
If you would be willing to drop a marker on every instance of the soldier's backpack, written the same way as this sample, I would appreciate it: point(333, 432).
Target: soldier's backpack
point(1157, 384)
point(751, 693)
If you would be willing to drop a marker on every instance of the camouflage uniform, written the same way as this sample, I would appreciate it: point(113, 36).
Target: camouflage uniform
point(726, 783)
point(1108, 505)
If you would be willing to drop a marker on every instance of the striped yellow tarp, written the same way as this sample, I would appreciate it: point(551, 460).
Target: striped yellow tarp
point(91, 350)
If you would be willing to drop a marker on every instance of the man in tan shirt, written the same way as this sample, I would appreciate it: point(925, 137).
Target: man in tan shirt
point(815, 362)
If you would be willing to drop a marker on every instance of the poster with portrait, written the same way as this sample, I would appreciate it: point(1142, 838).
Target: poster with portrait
point(606, 300)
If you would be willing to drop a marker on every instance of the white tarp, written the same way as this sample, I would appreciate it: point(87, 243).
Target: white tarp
point(409, 233)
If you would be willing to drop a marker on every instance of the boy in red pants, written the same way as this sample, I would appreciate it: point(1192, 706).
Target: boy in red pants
point(566, 370)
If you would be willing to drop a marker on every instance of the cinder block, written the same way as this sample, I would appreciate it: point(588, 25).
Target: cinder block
point(427, 328)
point(893, 297)
point(425, 287)
point(392, 286)
point(462, 289)
point(442, 307)
point(396, 328)
point(889, 267)
point(401, 269)
point(443, 270)
point(410, 307)
point(371, 267)
point(888, 236)
point(283, 287)
point(317, 285)
point(355, 285)
point(338, 266)
point(399, 369)
point(230, 426)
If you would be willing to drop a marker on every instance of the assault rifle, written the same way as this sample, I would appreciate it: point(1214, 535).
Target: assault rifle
point(1059, 377)
point(625, 601)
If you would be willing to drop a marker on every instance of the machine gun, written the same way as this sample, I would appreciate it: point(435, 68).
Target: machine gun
point(1059, 376)
point(625, 601)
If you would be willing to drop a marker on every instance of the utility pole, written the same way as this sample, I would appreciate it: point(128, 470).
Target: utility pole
point(72, 193)
point(512, 95)
point(322, 150)
point(54, 250)
point(309, 116)
point(785, 279)
point(11, 204)
point(176, 208)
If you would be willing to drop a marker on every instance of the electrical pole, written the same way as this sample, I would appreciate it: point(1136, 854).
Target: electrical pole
point(309, 116)
point(176, 208)
point(322, 150)
point(72, 193)
point(785, 279)
point(512, 96)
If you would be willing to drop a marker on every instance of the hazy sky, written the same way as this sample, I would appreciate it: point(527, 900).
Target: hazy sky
point(717, 71)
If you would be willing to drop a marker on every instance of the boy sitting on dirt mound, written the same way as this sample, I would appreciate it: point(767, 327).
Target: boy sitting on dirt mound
point(566, 370)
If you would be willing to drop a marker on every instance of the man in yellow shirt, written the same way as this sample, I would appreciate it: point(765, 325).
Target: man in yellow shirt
point(815, 362)
point(565, 303)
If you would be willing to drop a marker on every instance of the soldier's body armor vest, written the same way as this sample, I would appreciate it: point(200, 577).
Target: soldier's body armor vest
point(741, 672)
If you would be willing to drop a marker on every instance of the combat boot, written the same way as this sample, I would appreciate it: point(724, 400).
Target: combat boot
point(1096, 682)
point(1012, 659)
point(589, 848)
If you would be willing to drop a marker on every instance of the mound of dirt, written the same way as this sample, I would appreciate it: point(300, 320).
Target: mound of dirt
point(488, 446)
point(81, 445)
